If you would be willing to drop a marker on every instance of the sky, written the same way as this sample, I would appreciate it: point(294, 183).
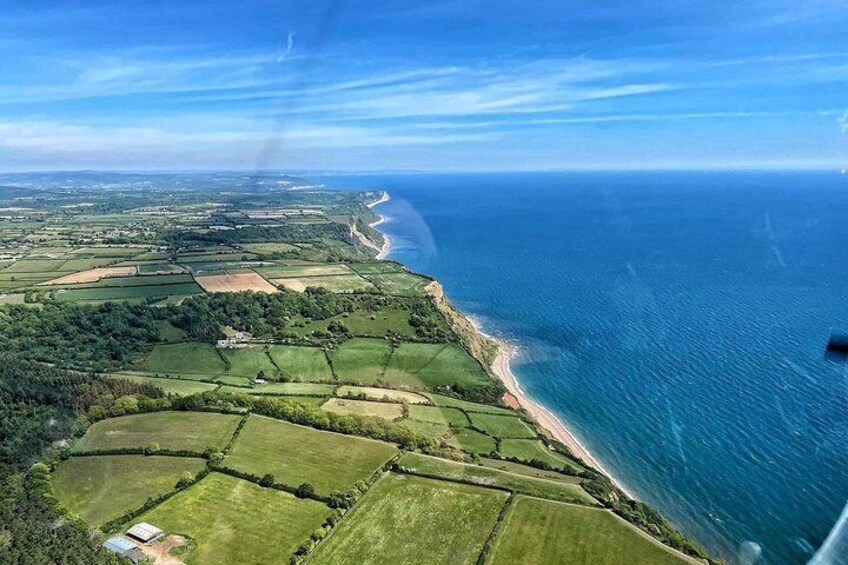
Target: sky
point(472, 85)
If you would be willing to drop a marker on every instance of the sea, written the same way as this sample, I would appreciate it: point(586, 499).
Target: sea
point(675, 321)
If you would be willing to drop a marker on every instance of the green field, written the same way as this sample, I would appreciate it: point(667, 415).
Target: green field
point(185, 358)
point(361, 360)
point(401, 284)
point(439, 415)
point(573, 534)
point(428, 365)
point(102, 488)
point(192, 431)
point(485, 476)
point(440, 400)
point(284, 389)
point(414, 521)
point(519, 469)
point(530, 449)
point(472, 441)
point(377, 267)
point(169, 333)
point(379, 322)
point(382, 410)
point(427, 429)
point(295, 454)
point(502, 426)
point(127, 292)
point(174, 386)
point(249, 362)
point(237, 522)
point(386, 394)
point(302, 363)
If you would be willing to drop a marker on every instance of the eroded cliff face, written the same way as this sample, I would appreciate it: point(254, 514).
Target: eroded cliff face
point(482, 348)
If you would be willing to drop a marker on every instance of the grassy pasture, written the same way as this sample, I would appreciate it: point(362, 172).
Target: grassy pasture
point(484, 476)
point(472, 441)
point(127, 292)
point(540, 532)
point(361, 360)
point(296, 454)
point(192, 431)
point(502, 426)
point(400, 284)
point(133, 280)
point(36, 266)
point(248, 362)
point(174, 386)
point(529, 449)
point(376, 324)
point(284, 389)
point(86, 264)
point(429, 365)
point(428, 429)
point(408, 520)
point(382, 410)
point(185, 358)
point(102, 488)
point(169, 333)
point(374, 393)
point(234, 521)
point(268, 248)
point(519, 469)
point(302, 363)
point(377, 267)
point(439, 415)
point(440, 400)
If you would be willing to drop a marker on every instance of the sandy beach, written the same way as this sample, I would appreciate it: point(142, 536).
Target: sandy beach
point(387, 241)
point(543, 417)
point(501, 367)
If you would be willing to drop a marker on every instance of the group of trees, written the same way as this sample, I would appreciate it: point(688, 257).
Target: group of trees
point(79, 337)
point(40, 406)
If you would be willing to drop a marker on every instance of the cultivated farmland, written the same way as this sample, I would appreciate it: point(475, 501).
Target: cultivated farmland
point(295, 455)
point(189, 431)
point(236, 522)
point(573, 534)
point(236, 282)
point(102, 488)
point(414, 521)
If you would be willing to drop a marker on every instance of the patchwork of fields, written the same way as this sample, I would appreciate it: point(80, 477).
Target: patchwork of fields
point(271, 394)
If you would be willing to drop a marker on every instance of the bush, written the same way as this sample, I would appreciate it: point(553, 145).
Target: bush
point(304, 491)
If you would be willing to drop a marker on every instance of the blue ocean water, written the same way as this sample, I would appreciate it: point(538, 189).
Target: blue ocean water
point(675, 321)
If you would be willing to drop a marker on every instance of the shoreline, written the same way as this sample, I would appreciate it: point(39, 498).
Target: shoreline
point(386, 248)
point(541, 415)
point(502, 368)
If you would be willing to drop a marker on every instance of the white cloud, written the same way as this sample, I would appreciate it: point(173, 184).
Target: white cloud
point(289, 46)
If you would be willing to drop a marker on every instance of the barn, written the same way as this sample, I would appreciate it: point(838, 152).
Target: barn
point(144, 532)
point(125, 548)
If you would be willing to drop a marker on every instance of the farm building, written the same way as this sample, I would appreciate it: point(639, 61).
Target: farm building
point(125, 548)
point(144, 532)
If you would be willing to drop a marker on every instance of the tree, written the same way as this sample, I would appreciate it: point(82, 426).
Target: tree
point(305, 490)
point(268, 480)
point(152, 448)
point(186, 479)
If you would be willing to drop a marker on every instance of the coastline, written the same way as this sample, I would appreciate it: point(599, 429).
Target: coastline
point(502, 369)
point(386, 248)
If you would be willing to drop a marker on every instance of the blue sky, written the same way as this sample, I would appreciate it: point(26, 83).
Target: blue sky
point(438, 86)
